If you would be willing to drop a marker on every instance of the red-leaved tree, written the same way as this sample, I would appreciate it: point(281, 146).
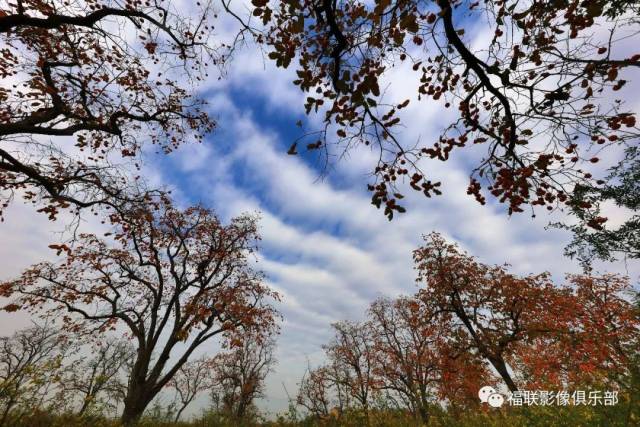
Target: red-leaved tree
point(538, 93)
point(414, 361)
point(173, 279)
point(532, 331)
point(351, 355)
point(88, 82)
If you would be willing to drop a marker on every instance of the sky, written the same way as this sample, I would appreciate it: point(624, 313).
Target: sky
point(324, 247)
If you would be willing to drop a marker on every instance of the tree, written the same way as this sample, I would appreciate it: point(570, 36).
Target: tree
point(351, 355)
point(30, 361)
point(403, 354)
point(531, 331)
point(496, 309)
point(99, 379)
point(607, 326)
point(194, 377)
point(593, 238)
point(240, 373)
point(91, 81)
point(314, 392)
point(410, 353)
point(172, 278)
point(540, 97)
point(340, 381)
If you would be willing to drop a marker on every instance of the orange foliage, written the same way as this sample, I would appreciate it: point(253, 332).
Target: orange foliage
point(532, 331)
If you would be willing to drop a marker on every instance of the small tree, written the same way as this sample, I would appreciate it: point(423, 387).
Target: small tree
point(173, 279)
point(193, 378)
point(30, 362)
point(351, 351)
point(404, 355)
point(99, 379)
point(407, 352)
point(240, 373)
point(340, 379)
point(314, 393)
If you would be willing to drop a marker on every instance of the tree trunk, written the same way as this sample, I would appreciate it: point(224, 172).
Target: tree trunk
point(134, 405)
point(85, 403)
point(5, 415)
point(83, 409)
point(497, 361)
point(424, 414)
point(241, 409)
point(182, 408)
point(365, 406)
point(501, 367)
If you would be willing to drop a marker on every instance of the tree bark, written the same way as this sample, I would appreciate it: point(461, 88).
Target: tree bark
point(85, 405)
point(501, 367)
point(134, 405)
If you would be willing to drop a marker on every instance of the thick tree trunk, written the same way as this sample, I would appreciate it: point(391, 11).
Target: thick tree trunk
point(139, 393)
point(242, 409)
point(496, 360)
point(134, 405)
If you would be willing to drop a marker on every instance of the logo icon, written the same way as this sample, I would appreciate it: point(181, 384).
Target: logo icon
point(485, 392)
point(496, 400)
point(488, 394)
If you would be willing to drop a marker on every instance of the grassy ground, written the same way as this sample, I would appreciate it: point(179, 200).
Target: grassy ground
point(585, 416)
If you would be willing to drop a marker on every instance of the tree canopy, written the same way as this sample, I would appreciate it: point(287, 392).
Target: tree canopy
point(88, 83)
point(540, 94)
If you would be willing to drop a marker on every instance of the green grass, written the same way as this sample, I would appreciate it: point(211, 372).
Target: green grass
point(622, 415)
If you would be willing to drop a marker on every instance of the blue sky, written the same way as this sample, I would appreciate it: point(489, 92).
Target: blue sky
point(324, 247)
